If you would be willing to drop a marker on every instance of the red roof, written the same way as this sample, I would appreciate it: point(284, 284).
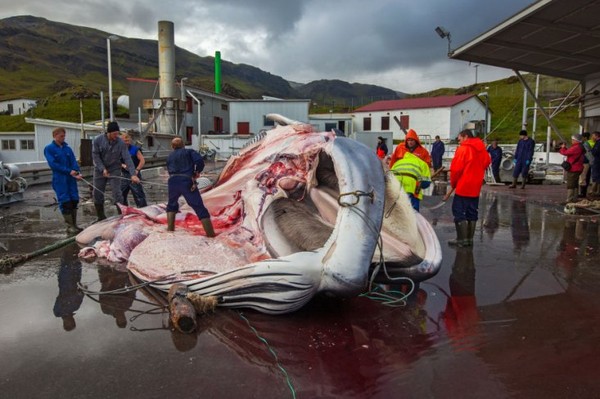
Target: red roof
point(415, 103)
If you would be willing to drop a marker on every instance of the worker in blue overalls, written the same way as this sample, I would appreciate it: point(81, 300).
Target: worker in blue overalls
point(65, 173)
point(184, 166)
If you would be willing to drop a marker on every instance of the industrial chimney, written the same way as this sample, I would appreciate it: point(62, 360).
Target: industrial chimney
point(217, 72)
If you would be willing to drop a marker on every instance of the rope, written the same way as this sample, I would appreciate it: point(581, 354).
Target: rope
point(264, 341)
point(389, 300)
point(8, 262)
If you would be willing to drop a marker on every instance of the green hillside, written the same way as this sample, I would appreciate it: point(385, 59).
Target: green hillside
point(505, 100)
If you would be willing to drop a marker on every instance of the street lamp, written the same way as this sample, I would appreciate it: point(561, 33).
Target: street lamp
point(443, 33)
point(110, 93)
point(486, 130)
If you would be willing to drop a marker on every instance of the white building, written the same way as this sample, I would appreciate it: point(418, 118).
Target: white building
point(17, 106)
point(445, 116)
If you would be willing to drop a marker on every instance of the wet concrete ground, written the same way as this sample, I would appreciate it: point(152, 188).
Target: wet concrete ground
point(518, 316)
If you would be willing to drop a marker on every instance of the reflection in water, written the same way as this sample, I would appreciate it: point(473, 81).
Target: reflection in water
point(460, 316)
point(69, 298)
point(330, 348)
point(115, 304)
point(520, 225)
point(491, 221)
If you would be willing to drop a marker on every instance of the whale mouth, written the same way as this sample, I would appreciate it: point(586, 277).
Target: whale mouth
point(295, 223)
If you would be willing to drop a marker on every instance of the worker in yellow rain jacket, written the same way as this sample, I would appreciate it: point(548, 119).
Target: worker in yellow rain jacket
point(414, 176)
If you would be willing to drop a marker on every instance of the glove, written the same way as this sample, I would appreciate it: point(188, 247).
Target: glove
point(514, 161)
point(527, 162)
point(425, 184)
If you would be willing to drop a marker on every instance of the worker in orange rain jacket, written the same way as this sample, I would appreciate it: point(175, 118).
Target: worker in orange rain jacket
point(411, 144)
point(467, 171)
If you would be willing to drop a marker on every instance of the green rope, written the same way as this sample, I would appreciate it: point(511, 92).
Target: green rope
point(10, 261)
point(264, 341)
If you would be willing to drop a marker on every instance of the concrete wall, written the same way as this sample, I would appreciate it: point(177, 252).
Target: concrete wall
point(19, 154)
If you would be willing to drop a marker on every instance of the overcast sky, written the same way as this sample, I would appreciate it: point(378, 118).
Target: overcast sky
point(390, 43)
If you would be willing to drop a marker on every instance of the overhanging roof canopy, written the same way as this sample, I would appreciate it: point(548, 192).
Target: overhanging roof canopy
point(558, 38)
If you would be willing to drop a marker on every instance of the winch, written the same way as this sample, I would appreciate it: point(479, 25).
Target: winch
point(12, 185)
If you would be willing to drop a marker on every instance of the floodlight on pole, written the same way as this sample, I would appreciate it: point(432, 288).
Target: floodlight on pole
point(110, 93)
point(443, 33)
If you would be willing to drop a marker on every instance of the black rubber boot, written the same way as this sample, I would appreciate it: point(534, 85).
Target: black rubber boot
point(462, 232)
point(74, 214)
point(514, 183)
point(471, 224)
point(582, 191)
point(71, 228)
point(100, 212)
point(171, 221)
point(523, 184)
point(208, 227)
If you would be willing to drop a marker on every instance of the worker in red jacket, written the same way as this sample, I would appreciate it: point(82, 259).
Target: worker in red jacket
point(411, 144)
point(467, 171)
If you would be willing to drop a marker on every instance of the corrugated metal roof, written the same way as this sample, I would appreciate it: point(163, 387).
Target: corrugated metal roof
point(415, 103)
point(551, 37)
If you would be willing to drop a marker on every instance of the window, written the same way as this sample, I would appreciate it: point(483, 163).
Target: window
point(385, 123)
point(189, 105)
point(224, 107)
point(27, 145)
point(367, 124)
point(404, 120)
point(9, 145)
point(11, 110)
point(330, 126)
point(268, 122)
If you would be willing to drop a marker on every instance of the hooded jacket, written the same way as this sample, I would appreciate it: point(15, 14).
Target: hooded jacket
point(468, 167)
point(419, 151)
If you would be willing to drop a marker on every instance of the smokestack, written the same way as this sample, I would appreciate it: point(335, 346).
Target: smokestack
point(166, 59)
point(217, 72)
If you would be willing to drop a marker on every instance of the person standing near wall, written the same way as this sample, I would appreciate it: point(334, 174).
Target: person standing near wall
point(496, 154)
point(594, 191)
point(522, 159)
point(382, 148)
point(467, 171)
point(65, 173)
point(437, 153)
point(575, 155)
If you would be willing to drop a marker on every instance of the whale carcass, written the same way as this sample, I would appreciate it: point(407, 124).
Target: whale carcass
point(296, 212)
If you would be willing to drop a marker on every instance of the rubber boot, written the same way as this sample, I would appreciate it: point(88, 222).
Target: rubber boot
point(571, 195)
point(100, 212)
point(591, 194)
point(462, 231)
point(470, 232)
point(208, 227)
point(71, 228)
point(74, 213)
point(171, 221)
point(514, 183)
point(523, 184)
point(118, 209)
point(582, 191)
